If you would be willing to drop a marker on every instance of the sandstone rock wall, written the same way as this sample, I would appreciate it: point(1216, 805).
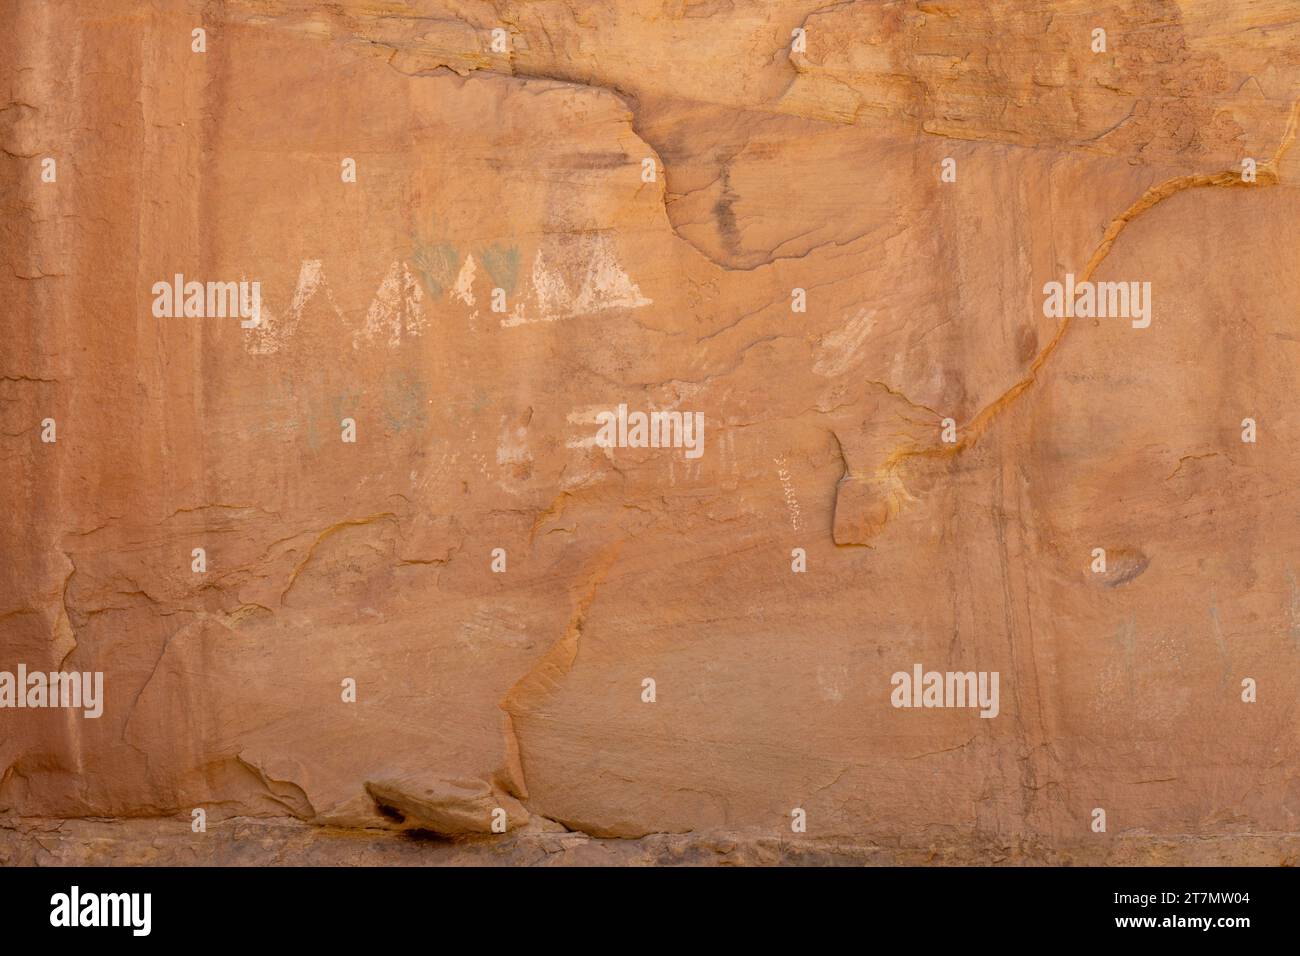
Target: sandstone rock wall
point(516, 178)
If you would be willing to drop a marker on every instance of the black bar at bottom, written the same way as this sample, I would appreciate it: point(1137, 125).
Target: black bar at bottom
point(329, 906)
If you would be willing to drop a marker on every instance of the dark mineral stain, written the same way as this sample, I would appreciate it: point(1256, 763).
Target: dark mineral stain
point(605, 160)
point(1026, 344)
point(725, 217)
point(1124, 566)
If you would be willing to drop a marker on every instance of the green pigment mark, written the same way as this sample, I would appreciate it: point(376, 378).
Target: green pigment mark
point(436, 264)
point(502, 265)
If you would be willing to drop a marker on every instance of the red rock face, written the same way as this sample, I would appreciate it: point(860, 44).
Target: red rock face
point(379, 551)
